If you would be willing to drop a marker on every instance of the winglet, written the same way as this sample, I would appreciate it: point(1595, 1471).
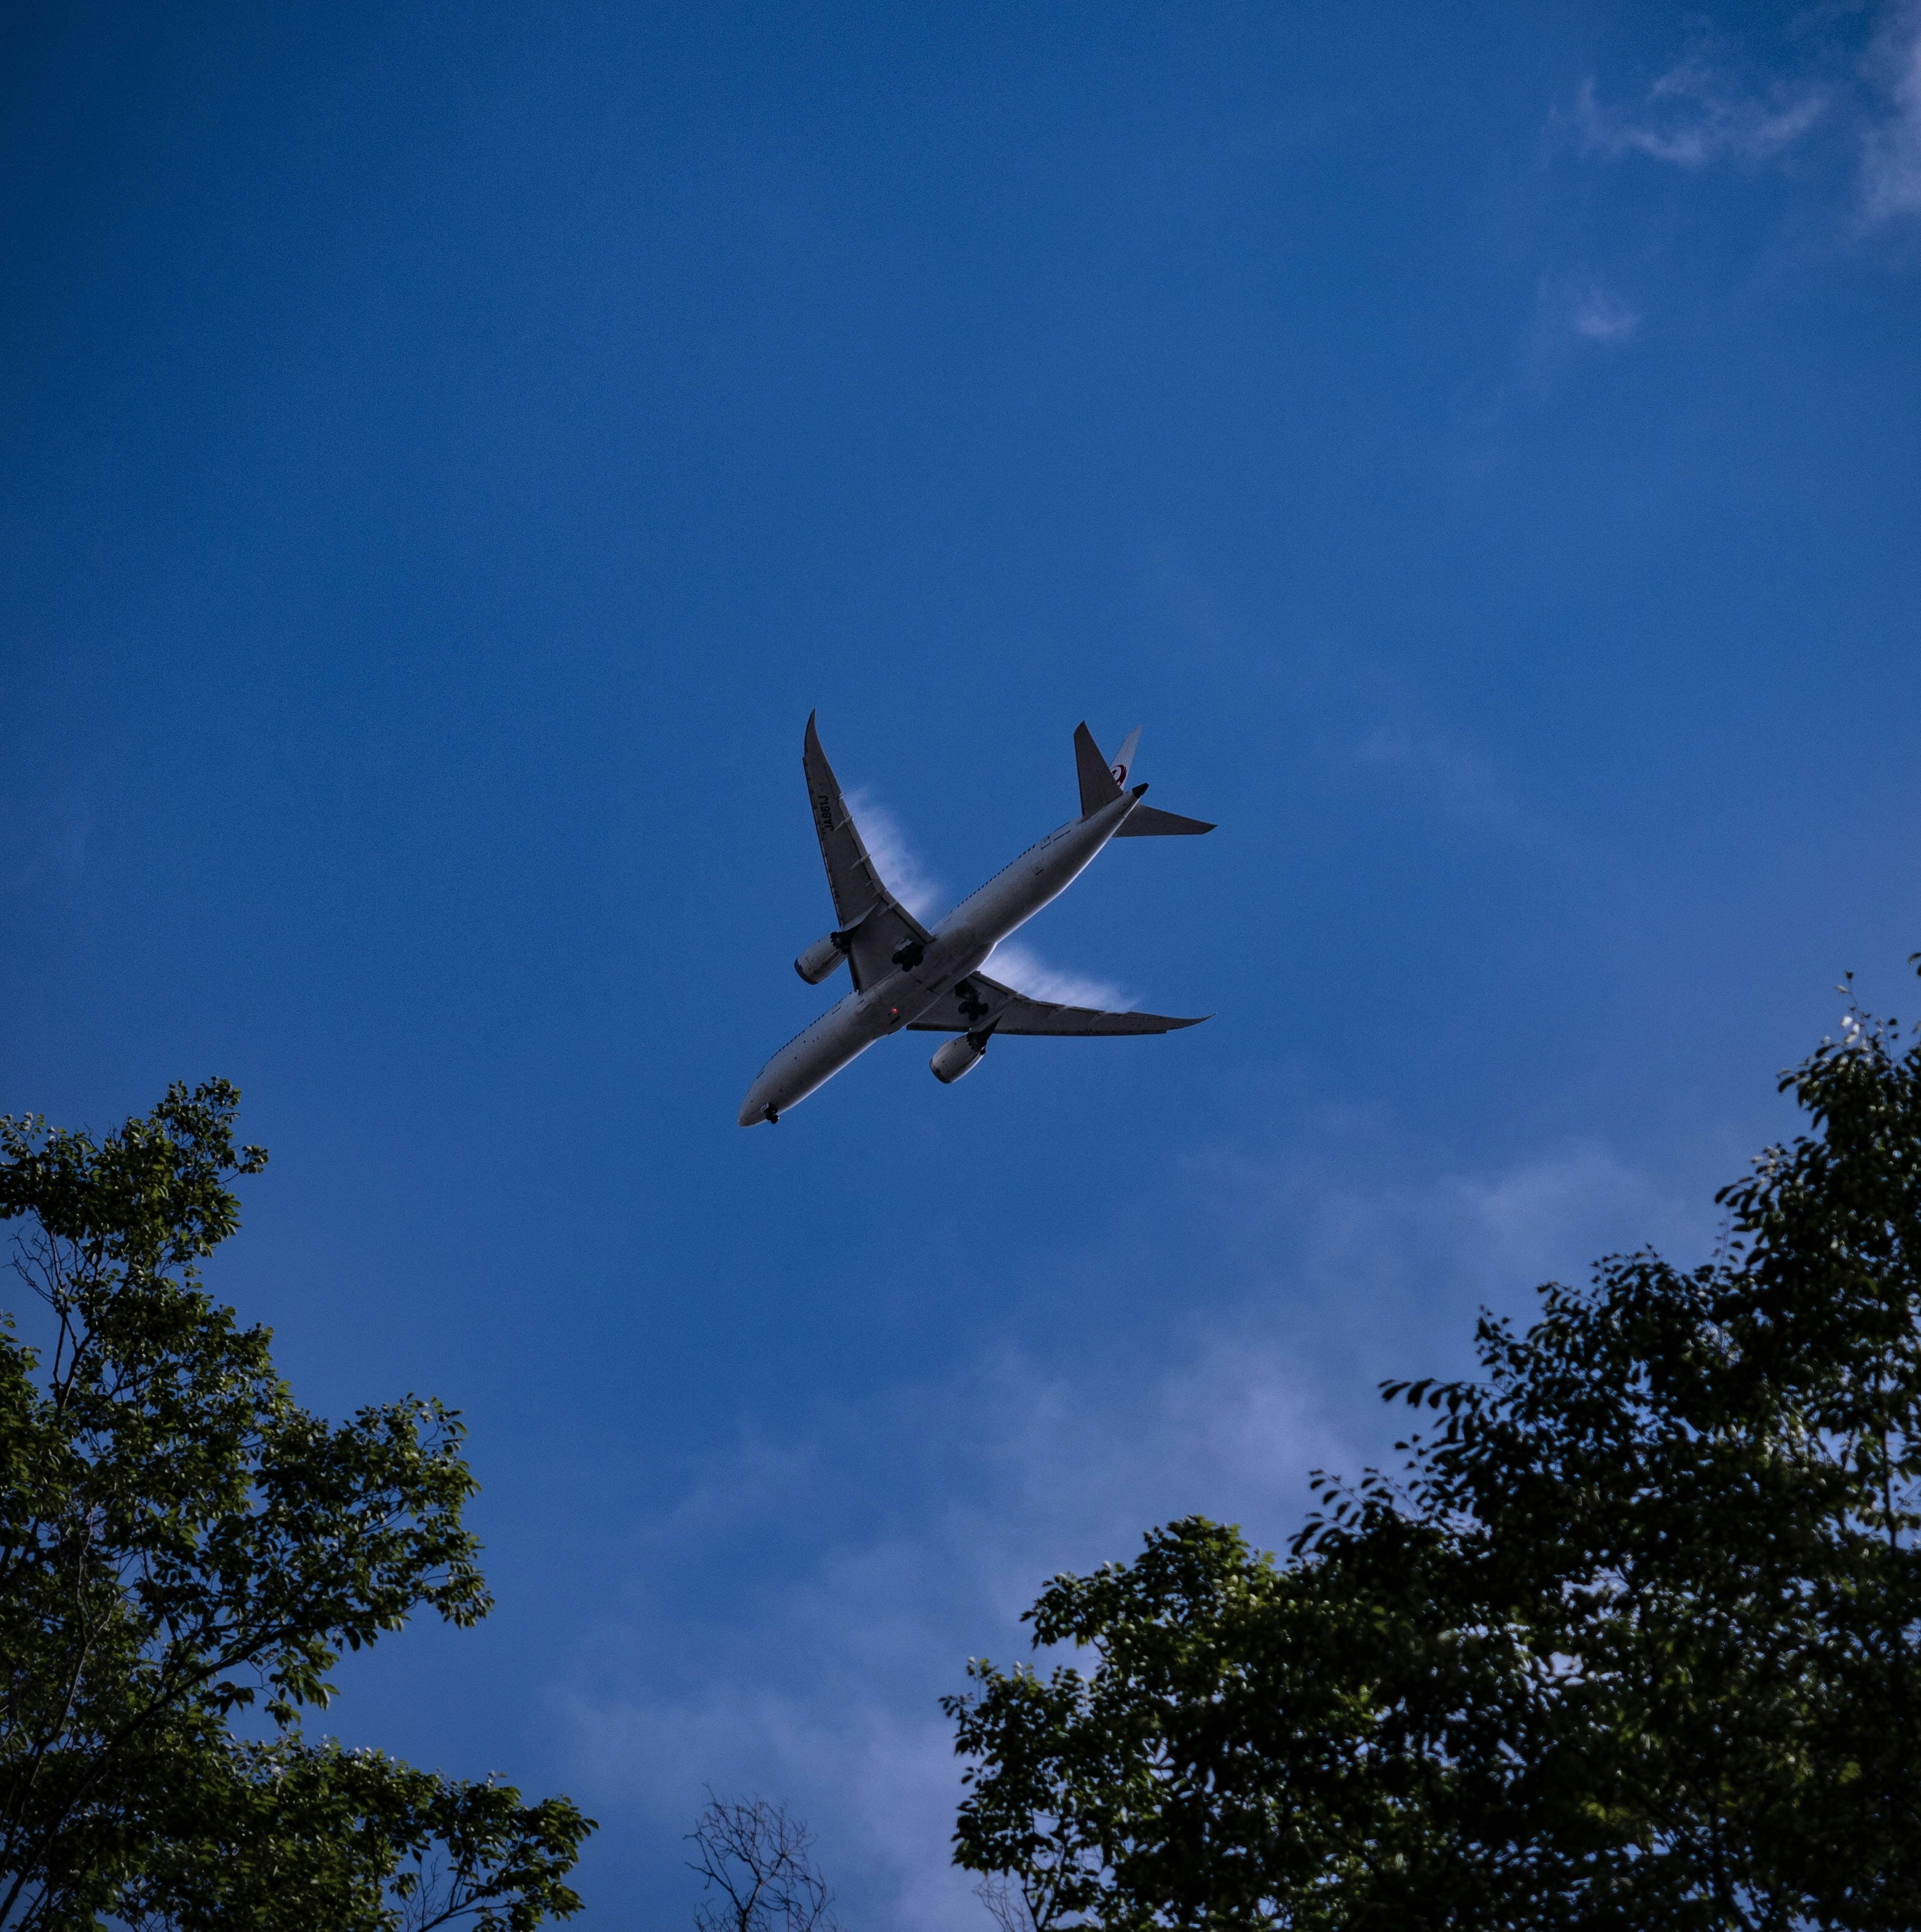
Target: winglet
point(1098, 788)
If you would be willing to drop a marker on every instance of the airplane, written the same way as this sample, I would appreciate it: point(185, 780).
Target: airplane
point(907, 978)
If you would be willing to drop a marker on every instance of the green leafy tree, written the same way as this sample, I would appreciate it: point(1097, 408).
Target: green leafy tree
point(179, 1542)
point(1633, 1640)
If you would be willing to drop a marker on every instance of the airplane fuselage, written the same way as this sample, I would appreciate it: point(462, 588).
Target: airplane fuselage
point(959, 945)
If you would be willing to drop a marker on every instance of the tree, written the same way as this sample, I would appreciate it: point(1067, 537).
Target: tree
point(180, 1542)
point(757, 1871)
point(1633, 1640)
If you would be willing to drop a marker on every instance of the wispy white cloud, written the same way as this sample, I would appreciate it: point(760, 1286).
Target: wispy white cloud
point(875, 1780)
point(1477, 1237)
point(1038, 1475)
point(1460, 780)
point(1699, 112)
point(1573, 310)
point(1443, 775)
point(1891, 157)
point(1598, 316)
point(823, 1689)
point(1694, 115)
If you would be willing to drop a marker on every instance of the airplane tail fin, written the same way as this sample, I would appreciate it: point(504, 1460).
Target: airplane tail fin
point(1099, 786)
point(1101, 783)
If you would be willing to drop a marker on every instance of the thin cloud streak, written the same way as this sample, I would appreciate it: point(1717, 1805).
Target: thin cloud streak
point(1696, 115)
point(1891, 157)
point(1043, 1474)
point(1599, 317)
point(1435, 770)
point(1690, 117)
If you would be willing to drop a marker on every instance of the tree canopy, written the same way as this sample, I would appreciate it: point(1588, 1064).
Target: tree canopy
point(1629, 1641)
point(180, 1542)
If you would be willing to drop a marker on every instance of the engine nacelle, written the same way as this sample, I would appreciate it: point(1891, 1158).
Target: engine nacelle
point(958, 1056)
point(821, 957)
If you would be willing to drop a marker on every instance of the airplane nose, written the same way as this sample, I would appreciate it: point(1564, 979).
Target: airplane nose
point(755, 1108)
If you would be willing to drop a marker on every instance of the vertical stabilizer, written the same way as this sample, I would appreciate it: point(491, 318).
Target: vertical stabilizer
point(1099, 786)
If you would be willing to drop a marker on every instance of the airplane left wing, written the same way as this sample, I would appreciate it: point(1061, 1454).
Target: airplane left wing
point(875, 925)
point(978, 1002)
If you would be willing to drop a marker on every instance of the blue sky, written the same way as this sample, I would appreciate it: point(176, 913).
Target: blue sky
point(449, 451)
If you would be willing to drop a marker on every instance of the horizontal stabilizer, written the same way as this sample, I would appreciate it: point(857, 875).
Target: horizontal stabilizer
point(1144, 822)
point(1099, 786)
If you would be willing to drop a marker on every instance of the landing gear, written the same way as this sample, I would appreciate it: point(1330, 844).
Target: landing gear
point(768, 1114)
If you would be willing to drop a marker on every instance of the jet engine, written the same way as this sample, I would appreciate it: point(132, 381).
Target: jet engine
point(958, 1056)
point(821, 957)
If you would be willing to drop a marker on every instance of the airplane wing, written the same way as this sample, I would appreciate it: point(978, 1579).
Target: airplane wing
point(978, 1002)
point(876, 924)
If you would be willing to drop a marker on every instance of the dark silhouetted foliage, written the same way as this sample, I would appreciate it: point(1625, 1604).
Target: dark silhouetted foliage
point(1630, 1644)
point(179, 1541)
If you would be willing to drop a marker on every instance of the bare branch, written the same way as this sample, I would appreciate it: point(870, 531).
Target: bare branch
point(758, 1860)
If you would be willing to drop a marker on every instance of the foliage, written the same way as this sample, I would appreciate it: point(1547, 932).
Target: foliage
point(757, 1871)
point(1631, 1643)
point(180, 1541)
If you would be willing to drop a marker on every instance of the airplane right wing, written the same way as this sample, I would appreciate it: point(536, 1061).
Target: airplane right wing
point(978, 1002)
point(875, 924)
